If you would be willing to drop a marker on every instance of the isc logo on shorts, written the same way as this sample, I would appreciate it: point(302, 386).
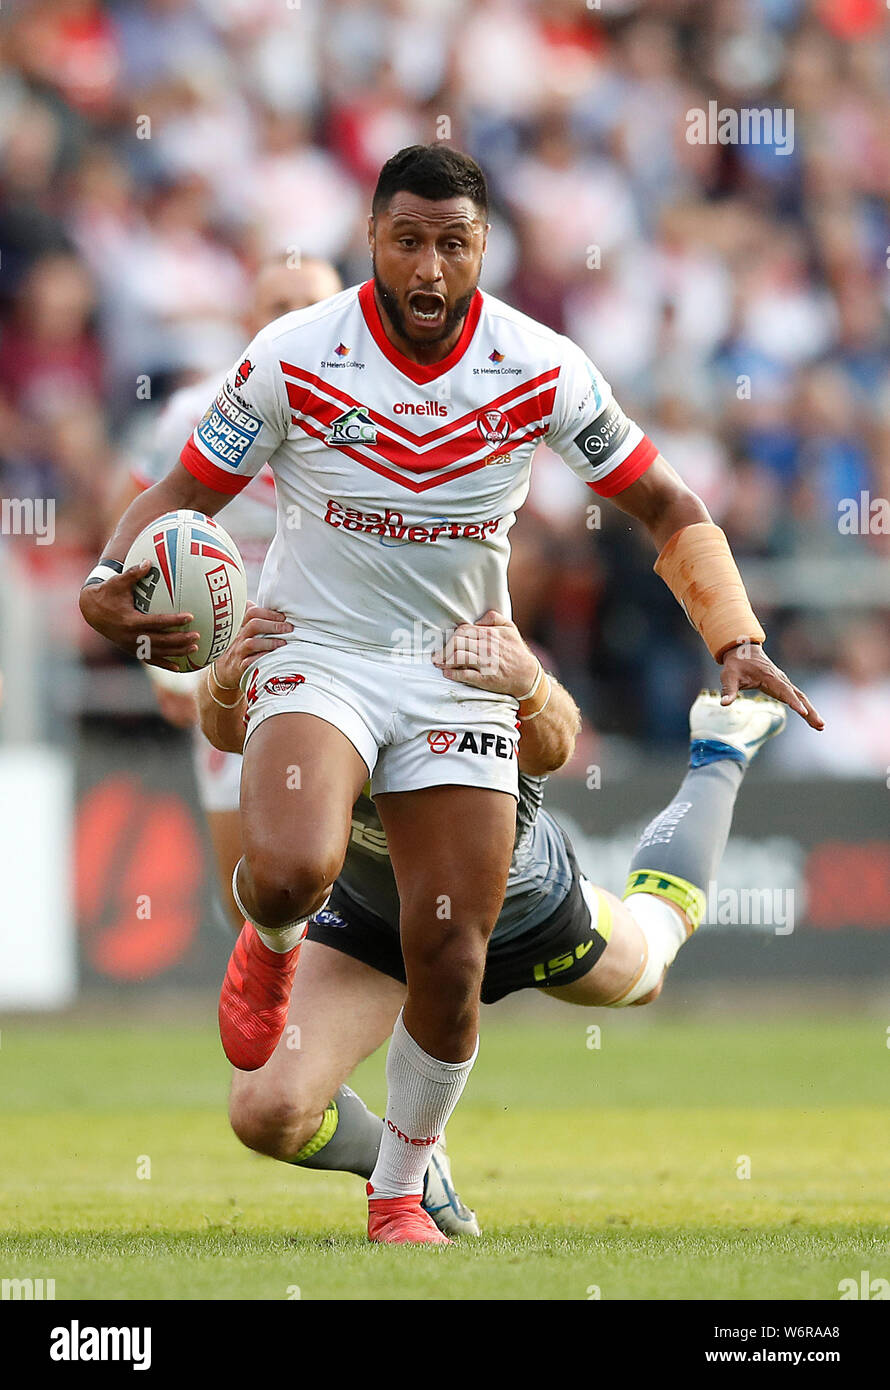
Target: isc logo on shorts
point(441, 740)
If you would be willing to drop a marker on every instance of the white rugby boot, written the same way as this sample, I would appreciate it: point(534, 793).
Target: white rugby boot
point(745, 725)
point(441, 1201)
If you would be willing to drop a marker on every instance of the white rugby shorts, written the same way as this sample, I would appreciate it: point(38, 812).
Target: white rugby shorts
point(412, 726)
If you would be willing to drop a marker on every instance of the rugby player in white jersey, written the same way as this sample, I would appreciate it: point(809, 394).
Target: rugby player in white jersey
point(556, 931)
point(399, 419)
point(250, 520)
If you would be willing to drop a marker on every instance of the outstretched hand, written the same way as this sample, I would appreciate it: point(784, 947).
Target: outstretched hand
point(747, 667)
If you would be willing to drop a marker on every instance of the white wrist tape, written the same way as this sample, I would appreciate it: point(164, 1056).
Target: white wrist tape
point(106, 569)
point(529, 693)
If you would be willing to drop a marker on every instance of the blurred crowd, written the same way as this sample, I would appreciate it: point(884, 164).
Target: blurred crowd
point(154, 152)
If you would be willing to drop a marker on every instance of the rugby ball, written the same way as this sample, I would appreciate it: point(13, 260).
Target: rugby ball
point(195, 568)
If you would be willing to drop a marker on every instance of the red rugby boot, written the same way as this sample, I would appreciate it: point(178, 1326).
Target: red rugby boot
point(402, 1221)
point(254, 999)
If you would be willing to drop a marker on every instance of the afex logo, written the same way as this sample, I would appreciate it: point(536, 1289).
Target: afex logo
point(440, 740)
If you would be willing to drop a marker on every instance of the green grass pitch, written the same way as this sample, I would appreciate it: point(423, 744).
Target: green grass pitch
point(615, 1171)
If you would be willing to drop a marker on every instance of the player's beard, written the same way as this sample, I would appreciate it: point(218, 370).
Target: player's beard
point(453, 317)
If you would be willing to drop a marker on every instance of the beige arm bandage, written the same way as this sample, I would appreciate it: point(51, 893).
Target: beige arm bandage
point(698, 568)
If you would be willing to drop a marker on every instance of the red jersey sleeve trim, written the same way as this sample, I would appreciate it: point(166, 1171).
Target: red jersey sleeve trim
point(208, 473)
point(633, 467)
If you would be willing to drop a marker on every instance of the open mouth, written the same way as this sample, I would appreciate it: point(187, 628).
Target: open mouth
point(426, 310)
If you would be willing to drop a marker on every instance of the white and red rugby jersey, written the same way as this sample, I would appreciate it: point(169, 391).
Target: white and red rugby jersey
point(250, 517)
point(397, 483)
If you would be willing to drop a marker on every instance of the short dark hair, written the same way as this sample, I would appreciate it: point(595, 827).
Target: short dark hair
point(432, 171)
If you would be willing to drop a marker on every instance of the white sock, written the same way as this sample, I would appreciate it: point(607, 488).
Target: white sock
point(664, 932)
point(278, 939)
point(422, 1093)
point(283, 939)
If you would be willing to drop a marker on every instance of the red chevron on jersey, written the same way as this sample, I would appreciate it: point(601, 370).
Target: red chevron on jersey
point(527, 420)
point(408, 483)
point(309, 379)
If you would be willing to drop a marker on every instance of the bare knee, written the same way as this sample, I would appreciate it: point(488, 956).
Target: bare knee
point(448, 954)
point(273, 1123)
point(444, 972)
point(278, 890)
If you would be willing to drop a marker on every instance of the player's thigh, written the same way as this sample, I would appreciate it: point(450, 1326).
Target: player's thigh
point(299, 782)
point(618, 965)
point(450, 848)
point(224, 828)
point(341, 1010)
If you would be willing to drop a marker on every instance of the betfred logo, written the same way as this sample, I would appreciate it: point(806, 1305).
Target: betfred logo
point(423, 408)
point(223, 610)
point(283, 685)
point(441, 740)
point(494, 427)
point(423, 1143)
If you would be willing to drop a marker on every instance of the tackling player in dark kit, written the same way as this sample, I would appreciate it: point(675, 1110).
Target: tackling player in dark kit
point(557, 931)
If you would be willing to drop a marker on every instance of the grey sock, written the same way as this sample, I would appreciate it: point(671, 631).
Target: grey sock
point(688, 837)
point(352, 1148)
